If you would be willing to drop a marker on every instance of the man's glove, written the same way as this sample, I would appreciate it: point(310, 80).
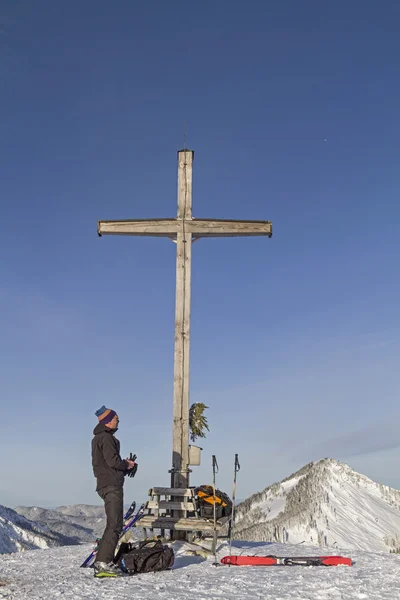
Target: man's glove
point(132, 472)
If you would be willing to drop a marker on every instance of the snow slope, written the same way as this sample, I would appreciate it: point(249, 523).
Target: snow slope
point(325, 503)
point(55, 573)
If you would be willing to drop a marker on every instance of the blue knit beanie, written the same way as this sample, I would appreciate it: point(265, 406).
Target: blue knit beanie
point(105, 415)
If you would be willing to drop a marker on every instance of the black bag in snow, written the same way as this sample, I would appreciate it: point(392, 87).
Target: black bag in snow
point(146, 557)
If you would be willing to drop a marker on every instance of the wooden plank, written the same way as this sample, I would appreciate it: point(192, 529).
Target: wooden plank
point(228, 228)
point(196, 227)
point(180, 442)
point(168, 505)
point(180, 452)
point(177, 524)
point(185, 178)
point(168, 491)
point(151, 227)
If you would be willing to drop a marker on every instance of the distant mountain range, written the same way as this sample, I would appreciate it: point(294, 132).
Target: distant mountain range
point(324, 504)
point(18, 533)
point(327, 504)
point(80, 522)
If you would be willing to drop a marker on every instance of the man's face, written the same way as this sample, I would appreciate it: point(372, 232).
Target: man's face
point(114, 423)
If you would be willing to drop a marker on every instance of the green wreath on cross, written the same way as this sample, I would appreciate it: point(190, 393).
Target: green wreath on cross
point(197, 421)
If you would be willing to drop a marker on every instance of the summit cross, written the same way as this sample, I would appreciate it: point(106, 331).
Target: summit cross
point(183, 230)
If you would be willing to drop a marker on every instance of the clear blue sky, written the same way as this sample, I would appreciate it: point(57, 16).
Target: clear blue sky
point(292, 109)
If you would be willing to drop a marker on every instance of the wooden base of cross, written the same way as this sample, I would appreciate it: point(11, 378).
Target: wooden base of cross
point(183, 230)
point(176, 519)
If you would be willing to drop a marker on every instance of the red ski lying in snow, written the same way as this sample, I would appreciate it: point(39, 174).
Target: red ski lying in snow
point(307, 561)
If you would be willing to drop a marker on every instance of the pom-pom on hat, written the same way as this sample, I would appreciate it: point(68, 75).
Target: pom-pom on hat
point(105, 415)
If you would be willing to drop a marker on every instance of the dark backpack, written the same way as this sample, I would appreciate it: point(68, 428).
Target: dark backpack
point(145, 557)
point(205, 502)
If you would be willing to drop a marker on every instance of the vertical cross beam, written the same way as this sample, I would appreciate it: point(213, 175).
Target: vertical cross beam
point(180, 452)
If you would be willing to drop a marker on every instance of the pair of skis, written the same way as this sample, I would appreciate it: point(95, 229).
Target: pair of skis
point(305, 561)
point(130, 519)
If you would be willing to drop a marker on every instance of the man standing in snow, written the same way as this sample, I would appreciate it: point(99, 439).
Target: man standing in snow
point(109, 469)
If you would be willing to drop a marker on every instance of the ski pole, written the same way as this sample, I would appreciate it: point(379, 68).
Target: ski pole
point(232, 519)
point(215, 470)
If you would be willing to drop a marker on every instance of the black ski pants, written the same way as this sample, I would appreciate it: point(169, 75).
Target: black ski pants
point(113, 497)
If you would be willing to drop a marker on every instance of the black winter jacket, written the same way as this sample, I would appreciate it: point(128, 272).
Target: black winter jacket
point(108, 466)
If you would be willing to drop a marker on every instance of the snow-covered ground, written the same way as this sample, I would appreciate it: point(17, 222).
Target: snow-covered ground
point(54, 573)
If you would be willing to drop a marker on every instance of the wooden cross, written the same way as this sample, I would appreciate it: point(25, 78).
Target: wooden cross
point(184, 230)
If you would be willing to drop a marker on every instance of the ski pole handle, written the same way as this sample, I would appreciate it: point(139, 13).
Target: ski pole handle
point(214, 464)
point(237, 464)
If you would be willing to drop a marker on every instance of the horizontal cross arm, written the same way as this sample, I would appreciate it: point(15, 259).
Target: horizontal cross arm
point(197, 227)
point(228, 228)
point(153, 227)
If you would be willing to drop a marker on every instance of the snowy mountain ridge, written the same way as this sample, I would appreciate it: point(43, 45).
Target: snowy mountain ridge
point(326, 503)
point(83, 522)
point(18, 533)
